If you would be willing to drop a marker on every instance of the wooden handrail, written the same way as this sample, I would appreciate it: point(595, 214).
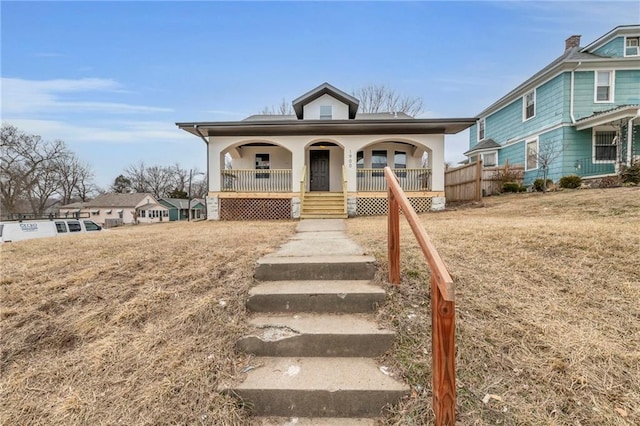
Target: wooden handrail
point(442, 300)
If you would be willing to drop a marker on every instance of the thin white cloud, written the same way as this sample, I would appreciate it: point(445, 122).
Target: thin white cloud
point(109, 132)
point(20, 97)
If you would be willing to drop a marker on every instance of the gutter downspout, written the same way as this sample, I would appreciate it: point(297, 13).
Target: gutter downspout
point(630, 137)
point(206, 213)
point(573, 118)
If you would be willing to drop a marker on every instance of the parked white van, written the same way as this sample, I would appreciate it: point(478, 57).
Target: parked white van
point(28, 229)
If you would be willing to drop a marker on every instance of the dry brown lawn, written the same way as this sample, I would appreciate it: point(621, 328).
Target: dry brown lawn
point(137, 325)
point(548, 308)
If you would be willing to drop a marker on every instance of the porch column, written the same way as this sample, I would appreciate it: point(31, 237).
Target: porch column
point(216, 158)
point(350, 165)
point(437, 166)
point(297, 163)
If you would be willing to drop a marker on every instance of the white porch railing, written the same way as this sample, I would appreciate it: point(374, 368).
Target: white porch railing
point(372, 180)
point(256, 180)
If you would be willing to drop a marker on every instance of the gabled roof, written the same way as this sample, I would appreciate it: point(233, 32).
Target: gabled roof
point(620, 30)
point(181, 203)
point(485, 144)
point(325, 89)
point(114, 200)
point(569, 60)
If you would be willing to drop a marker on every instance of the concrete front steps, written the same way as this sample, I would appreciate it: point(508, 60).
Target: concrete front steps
point(313, 336)
point(323, 205)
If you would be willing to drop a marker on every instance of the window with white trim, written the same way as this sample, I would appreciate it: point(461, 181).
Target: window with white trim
point(325, 112)
point(489, 159)
point(632, 46)
point(531, 153)
point(481, 125)
point(529, 105)
point(604, 86)
point(605, 145)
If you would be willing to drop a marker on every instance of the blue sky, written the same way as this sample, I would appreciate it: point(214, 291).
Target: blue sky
point(112, 78)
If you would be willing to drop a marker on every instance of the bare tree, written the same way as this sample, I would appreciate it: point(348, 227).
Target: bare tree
point(76, 178)
point(380, 98)
point(160, 180)
point(137, 175)
point(25, 167)
point(373, 98)
point(46, 183)
point(544, 156)
point(283, 108)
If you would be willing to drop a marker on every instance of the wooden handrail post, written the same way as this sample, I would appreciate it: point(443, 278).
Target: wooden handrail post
point(443, 353)
point(393, 239)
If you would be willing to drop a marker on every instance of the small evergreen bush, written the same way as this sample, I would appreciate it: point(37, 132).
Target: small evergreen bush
point(512, 187)
point(630, 174)
point(571, 181)
point(537, 184)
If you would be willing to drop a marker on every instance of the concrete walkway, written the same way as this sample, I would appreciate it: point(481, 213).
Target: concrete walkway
point(313, 334)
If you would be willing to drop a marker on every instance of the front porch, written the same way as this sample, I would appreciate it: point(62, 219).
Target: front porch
point(272, 194)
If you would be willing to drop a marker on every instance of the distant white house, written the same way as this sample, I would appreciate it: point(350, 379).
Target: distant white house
point(324, 161)
point(119, 208)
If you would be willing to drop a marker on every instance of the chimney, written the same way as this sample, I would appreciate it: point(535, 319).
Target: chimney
point(573, 41)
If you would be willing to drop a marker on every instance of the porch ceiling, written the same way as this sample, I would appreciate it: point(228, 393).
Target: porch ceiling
point(329, 127)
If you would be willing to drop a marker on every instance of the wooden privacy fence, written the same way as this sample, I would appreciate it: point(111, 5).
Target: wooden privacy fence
point(443, 309)
point(472, 182)
point(464, 183)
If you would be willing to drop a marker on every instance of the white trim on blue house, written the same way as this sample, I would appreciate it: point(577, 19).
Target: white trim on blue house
point(526, 153)
point(595, 130)
point(524, 104)
point(612, 88)
point(636, 39)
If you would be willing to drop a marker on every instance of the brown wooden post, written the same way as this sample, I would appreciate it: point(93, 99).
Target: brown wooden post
point(393, 239)
point(479, 180)
point(443, 341)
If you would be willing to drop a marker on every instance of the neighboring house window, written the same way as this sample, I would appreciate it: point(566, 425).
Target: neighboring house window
point(325, 112)
point(604, 86)
point(532, 154)
point(400, 162)
point(632, 46)
point(262, 163)
point(489, 159)
point(605, 146)
point(481, 124)
point(360, 160)
point(143, 213)
point(378, 161)
point(529, 104)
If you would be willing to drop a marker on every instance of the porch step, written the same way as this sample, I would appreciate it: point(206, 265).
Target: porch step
point(315, 296)
point(323, 205)
point(317, 387)
point(316, 335)
point(346, 267)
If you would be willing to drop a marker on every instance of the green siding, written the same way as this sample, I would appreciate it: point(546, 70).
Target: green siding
point(626, 91)
point(615, 48)
point(513, 152)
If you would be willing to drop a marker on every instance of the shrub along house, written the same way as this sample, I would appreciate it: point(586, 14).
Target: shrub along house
point(582, 111)
point(324, 161)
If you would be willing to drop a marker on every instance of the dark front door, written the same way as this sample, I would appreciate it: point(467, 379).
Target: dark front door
point(319, 176)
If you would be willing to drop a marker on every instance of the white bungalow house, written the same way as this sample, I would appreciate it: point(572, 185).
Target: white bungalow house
point(119, 209)
point(324, 161)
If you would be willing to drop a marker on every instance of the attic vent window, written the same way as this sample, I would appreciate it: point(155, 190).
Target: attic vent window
point(325, 112)
point(632, 46)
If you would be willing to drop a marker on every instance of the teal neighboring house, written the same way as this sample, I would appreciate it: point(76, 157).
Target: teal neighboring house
point(582, 111)
point(178, 208)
